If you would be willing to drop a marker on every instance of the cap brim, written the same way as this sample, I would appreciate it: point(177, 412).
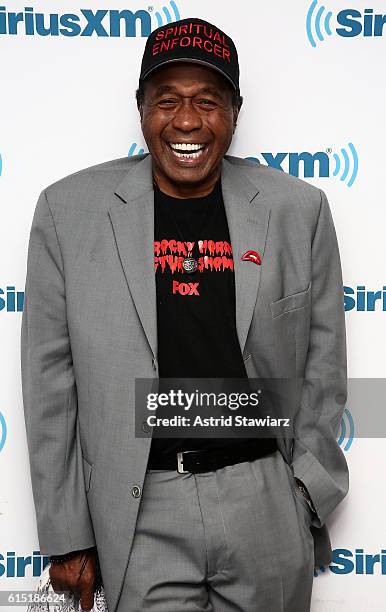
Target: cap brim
point(189, 60)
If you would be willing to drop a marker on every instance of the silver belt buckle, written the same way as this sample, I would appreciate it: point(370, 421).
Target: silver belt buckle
point(180, 463)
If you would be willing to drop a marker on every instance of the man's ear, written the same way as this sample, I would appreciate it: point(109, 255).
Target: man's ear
point(236, 111)
point(139, 95)
point(235, 117)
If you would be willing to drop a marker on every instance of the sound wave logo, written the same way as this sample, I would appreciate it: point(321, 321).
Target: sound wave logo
point(318, 21)
point(349, 167)
point(352, 22)
point(347, 430)
point(165, 16)
point(133, 148)
point(3, 431)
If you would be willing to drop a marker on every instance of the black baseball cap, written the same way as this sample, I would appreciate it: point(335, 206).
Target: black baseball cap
point(191, 40)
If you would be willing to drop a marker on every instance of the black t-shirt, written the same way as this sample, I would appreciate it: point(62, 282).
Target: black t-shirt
point(196, 314)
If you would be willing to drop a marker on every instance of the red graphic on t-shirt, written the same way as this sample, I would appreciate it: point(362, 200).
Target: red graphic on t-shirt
point(214, 255)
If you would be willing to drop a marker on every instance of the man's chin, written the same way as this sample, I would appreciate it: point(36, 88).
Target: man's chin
point(194, 176)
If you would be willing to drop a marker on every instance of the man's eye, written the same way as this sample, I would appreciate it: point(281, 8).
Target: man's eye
point(167, 101)
point(206, 102)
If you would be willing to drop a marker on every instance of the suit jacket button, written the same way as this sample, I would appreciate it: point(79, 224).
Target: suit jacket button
point(153, 362)
point(136, 491)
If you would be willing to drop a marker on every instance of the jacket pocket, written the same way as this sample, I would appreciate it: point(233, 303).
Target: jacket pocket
point(87, 471)
point(291, 302)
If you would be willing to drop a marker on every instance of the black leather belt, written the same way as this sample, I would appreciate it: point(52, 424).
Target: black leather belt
point(197, 461)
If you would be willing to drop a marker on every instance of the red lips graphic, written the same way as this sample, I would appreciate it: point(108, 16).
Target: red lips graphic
point(252, 256)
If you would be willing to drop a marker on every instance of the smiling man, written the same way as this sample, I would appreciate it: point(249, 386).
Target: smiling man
point(183, 263)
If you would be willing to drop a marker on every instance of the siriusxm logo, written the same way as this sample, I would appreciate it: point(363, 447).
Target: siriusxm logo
point(352, 22)
point(13, 300)
point(3, 431)
point(364, 301)
point(12, 566)
point(345, 561)
point(87, 22)
point(345, 164)
point(354, 299)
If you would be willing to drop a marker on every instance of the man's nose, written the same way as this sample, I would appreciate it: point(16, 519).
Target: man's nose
point(187, 118)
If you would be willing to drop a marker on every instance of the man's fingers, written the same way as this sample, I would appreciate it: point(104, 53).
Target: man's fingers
point(76, 577)
point(87, 599)
point(61, 588)
point(57, 586)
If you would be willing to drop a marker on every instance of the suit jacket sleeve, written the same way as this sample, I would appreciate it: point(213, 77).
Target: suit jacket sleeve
point(317, 459)
point(50, 396)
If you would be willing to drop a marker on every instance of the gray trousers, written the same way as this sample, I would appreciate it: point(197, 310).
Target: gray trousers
point(233, 540)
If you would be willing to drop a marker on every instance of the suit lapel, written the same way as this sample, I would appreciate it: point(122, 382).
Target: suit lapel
point(248, 218)
point(132, 219)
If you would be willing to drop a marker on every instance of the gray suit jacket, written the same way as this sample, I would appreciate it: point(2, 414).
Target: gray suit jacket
point(89, 329)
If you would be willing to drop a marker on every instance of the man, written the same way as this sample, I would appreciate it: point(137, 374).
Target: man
point(184, 262)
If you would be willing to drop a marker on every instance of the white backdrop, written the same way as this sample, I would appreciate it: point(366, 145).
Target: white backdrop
point(313, 83)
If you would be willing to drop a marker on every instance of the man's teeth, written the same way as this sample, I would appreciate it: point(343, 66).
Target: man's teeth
point(195, 150)
point(185, 146)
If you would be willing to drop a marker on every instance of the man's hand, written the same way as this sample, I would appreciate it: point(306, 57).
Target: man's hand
point(78, 575)
point(304, 491)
